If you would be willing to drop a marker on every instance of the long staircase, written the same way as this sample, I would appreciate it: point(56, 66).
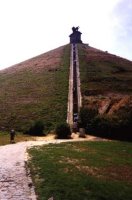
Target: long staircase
point(74, 96)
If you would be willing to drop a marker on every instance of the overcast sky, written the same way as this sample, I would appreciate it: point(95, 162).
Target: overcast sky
point(32, 27)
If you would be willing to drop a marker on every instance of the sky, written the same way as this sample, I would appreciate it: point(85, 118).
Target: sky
point(31, 27)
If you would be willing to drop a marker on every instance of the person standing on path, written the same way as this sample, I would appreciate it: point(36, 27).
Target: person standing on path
point(12, 136)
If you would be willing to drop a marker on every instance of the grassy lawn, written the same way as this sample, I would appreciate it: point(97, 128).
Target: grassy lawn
point(82, 171)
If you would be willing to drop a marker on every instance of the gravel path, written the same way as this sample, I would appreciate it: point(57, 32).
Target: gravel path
point(15, 182)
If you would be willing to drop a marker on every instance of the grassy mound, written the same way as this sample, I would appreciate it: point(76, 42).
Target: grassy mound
point(34, 90)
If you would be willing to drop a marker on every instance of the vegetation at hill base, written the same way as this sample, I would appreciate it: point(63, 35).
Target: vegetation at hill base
point(63, 131)
point(117, 126)
point(36, 128)
point(33, 91)
point(82, 170)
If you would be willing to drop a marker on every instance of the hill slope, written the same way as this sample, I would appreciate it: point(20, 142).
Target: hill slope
point(38, 89)
point(35, 89)
point(106, 84)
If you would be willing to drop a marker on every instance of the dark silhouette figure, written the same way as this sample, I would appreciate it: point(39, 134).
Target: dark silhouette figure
point(12, 136)
point(75, 37)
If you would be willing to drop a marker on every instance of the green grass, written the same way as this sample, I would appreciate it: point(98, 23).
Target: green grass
point(82, 170)
point(29, 95)
point(104, 72)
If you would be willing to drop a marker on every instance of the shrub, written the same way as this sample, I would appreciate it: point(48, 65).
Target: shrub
point(103, 125)
point(86, 116)
point(116, 126)
point(63, 131)
point(37, 128)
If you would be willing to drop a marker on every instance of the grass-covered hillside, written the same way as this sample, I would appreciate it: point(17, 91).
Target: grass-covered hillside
point(36, 89)
point(102, 72)
point(106, 86)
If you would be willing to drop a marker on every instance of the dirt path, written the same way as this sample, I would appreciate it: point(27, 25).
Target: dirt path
point(14, 182)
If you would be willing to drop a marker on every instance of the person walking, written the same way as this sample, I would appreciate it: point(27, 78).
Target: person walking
point(12, 136)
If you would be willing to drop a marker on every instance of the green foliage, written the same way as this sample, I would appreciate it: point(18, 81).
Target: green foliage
point(36, 129)
point(103, 125)
point(63, 131)
point(116, 126)
point(86, 116)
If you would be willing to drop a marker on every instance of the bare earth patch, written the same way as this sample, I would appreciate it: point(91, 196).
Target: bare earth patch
point(108, 103)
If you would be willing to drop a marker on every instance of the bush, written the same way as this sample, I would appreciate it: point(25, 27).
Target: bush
point(116, 126)
point(37, 128)
point(103, 125)
point(86, 116)
point(63, 131)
